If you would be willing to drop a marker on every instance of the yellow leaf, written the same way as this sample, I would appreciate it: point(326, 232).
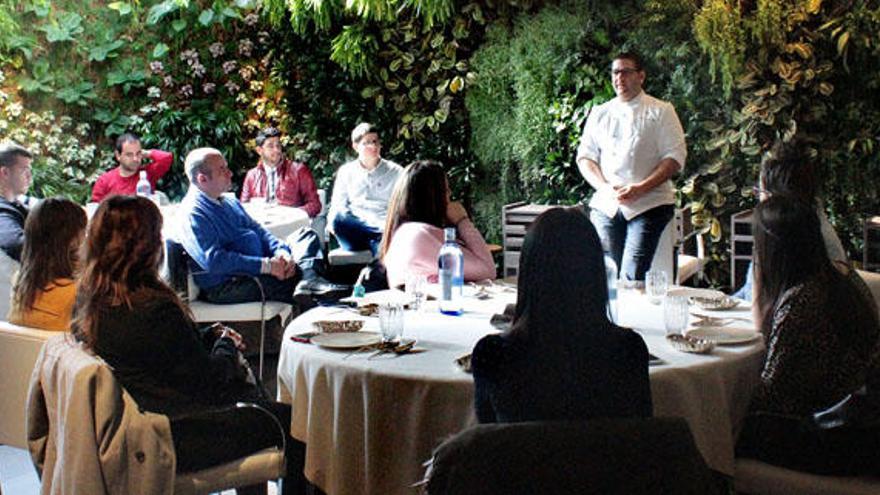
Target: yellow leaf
point(813, 6)
point(841, 42)
point(456, 85)
point(715, 230)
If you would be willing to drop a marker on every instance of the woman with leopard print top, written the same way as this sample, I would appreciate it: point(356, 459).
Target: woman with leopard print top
point(821, 329)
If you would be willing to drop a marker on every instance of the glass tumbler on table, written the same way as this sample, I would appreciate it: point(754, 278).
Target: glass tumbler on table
point(391, 322)
point(415, 286)
point(675, 314)
point(656, 285)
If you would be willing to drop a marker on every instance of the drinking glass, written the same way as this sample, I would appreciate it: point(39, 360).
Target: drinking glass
point(391, 322)
point(415, 289)
point(656, 285)
point(675, 314)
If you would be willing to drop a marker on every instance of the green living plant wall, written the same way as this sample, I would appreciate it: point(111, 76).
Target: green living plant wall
point(181, 73)
point(410, 64)
point(798, 69)
point(536, 79)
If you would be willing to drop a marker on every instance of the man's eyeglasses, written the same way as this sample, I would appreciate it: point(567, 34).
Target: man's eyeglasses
point(371, 142)
point(625, 71)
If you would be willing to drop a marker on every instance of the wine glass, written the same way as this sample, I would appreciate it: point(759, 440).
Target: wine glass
point(415, 286)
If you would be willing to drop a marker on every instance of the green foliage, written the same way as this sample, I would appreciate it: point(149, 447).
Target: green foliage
point(534, 82)
point(64, 164)
point(719, 31)
point(94, 67)
point(795, 82)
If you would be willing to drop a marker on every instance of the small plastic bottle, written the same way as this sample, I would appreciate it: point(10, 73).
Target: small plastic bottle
point(143, 187)
point(450, 263)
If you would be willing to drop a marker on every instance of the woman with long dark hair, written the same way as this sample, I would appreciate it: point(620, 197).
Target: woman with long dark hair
point(44, 289)
point(821, 329)
point(562, 358)
point(129, 317)
point(418, 211)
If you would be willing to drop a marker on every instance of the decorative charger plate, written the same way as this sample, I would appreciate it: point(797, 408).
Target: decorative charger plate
point(715, 303)
point(724, 335)
point(346, 340)
point(338, 326)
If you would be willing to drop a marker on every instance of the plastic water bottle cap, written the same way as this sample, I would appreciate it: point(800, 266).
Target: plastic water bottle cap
point(358, 291)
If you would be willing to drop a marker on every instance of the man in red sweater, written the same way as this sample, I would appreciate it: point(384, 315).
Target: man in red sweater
point(278, 178)
point(123, 179)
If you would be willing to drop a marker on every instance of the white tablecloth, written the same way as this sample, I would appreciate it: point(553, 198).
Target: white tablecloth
point(281, 221)
point(370, 423)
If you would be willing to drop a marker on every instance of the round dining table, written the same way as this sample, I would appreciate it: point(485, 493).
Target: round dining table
point(370, 421)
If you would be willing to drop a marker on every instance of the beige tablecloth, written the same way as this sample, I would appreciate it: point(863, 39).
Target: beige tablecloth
point(370, 423)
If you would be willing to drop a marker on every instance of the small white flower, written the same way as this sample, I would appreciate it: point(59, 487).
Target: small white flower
point(156, 67)
point(209, 88)
point(189, 56)
point(232, 87)
point(229, 66)
point(186, 91)
point(251, 19)
point(247, 72)
point(154, 92)
point(245, 46)
point(14, 109)
point(216, 49)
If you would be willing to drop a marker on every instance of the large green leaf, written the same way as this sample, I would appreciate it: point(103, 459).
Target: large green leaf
point(160, 50)
point(78, 94)
point(160, 10)
point(107, 50)
point(63, 28)
point(124, 8)
point(206, 17)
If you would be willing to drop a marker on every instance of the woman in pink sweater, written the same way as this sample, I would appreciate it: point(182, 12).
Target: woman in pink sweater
point(417, 212)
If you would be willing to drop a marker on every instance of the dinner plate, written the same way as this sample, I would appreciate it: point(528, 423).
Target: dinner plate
point(724, 335)
point(346, 340)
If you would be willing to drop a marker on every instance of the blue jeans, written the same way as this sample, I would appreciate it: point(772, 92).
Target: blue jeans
point(305, 249)
point(631, 243)
point(745, 292)
point(354, 235)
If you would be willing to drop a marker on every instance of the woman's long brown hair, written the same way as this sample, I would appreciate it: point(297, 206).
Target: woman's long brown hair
point(122, 255)
point(52, 235)
point(420, 195)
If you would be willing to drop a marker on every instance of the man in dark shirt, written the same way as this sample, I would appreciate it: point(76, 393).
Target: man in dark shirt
point(15, 180)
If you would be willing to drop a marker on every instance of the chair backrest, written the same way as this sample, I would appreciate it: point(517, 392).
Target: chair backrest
point(86, 435)
point(8, 267)
point(19, 348)
point(179, 275)
point(601, 456)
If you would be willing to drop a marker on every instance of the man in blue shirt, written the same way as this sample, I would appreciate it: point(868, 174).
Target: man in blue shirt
point(229, 246)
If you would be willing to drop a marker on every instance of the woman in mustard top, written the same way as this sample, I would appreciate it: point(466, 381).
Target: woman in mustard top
point(44, 290)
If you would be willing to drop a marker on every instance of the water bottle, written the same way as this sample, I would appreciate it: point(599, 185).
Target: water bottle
point(143, 187)
point(450, 262)
point(611, 278)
